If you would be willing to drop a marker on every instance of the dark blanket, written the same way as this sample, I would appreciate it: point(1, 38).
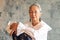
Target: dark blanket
point(22, 36)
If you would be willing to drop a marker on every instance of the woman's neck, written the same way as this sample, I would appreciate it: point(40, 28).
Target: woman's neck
point(35, 22)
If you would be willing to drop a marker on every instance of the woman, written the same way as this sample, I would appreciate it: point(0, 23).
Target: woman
point(35, 28)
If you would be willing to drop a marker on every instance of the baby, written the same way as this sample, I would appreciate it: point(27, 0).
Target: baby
point(12, 30)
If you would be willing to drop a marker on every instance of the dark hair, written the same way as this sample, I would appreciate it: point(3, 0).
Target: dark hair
point(22, 36)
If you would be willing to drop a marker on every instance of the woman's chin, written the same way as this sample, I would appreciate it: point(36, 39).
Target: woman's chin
point(34, 20)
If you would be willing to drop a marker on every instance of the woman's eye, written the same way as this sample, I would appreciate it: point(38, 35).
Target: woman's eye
point(35, 11)
point(30, 12)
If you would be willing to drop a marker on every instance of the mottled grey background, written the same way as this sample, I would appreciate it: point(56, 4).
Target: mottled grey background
point(17, 10)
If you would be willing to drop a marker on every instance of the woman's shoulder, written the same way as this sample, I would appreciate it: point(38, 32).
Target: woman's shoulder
point(46, 26)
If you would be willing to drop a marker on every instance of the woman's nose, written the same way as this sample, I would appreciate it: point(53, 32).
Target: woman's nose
point(33, 14)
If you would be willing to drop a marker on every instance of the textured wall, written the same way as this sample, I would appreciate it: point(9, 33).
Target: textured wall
point(18, 10)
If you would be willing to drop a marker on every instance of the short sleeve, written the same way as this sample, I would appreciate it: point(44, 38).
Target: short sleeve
point(46, 27)
point(49, 28)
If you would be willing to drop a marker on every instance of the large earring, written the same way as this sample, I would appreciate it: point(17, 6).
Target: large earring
point(30, 20)
point(40, 19)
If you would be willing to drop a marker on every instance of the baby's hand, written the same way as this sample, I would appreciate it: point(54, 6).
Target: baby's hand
point(14, 26)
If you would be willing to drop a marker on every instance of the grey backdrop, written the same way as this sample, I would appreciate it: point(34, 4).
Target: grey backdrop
point(17, 10)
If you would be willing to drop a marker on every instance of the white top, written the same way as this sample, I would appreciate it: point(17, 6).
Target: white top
point(40, 34)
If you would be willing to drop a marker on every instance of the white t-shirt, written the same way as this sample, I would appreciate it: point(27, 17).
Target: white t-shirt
point(40, 34)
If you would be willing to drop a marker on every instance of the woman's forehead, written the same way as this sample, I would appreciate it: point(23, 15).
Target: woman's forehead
point(34, 8)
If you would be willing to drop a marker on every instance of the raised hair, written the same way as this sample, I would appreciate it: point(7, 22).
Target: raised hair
point(36, 4)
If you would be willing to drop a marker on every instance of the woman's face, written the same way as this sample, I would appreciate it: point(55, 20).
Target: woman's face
point(34, 13)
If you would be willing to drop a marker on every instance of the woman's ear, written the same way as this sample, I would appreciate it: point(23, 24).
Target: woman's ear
point(40, 14)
